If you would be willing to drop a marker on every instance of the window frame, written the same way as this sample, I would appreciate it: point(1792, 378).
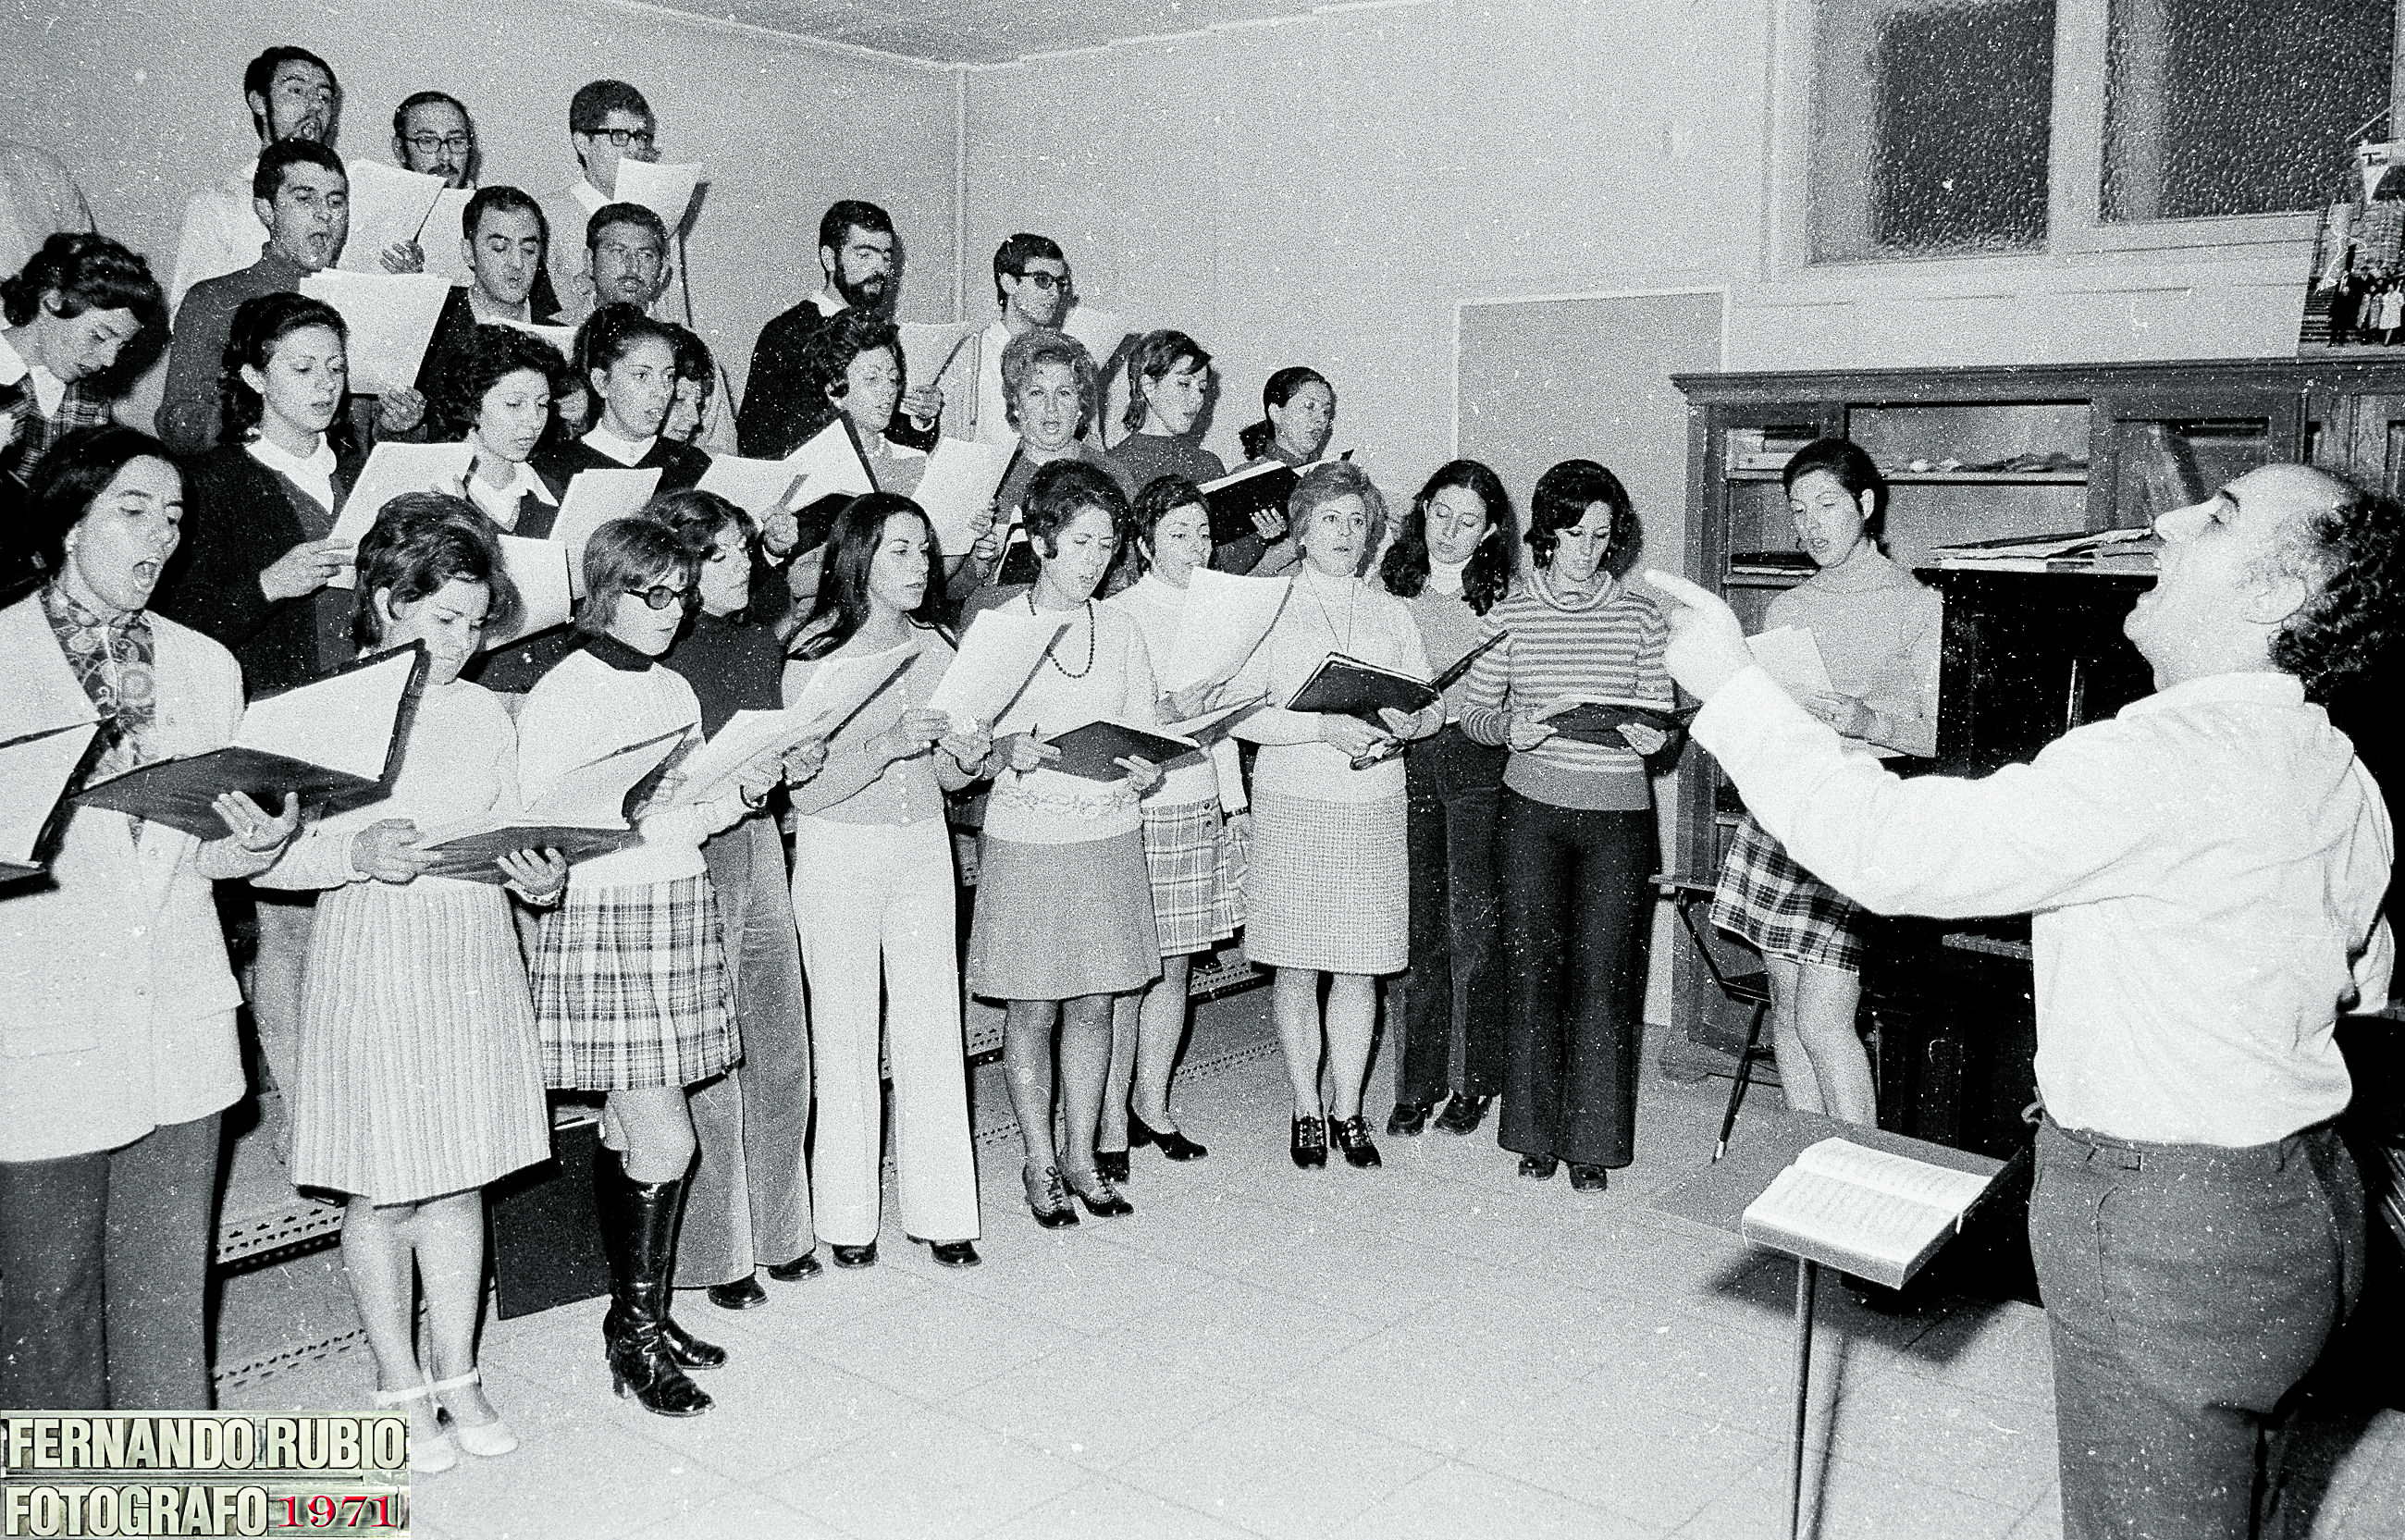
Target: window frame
point(2075, 224)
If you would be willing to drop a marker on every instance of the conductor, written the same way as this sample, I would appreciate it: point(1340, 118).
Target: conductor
point(2204, 873)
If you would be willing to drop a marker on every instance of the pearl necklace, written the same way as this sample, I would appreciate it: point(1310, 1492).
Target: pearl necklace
point(1089, 641)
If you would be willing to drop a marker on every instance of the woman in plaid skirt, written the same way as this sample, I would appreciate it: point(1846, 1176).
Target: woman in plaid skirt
point(1878, 633)
point(630, 983)
point(1194, 857)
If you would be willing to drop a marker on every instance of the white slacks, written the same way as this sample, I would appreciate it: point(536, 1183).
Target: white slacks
point(871, 900)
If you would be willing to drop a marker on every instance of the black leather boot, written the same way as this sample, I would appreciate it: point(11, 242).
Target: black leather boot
point(642, 1218)
point(611, 1182)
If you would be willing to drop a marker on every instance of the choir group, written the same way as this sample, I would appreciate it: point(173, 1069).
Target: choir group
point(414, 1021)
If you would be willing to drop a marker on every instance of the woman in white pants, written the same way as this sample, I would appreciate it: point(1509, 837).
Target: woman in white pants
point(873, 882)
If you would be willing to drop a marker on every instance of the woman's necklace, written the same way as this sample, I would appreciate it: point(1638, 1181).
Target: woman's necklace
point(1089, 641)
point(1344, 638)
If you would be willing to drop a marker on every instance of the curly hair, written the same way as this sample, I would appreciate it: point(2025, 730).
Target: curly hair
point(493, 353)
point(71, 478)
point(419, 541)
point(843, 337)
point(1322, 484)
point(2353, 553)
point(1563, 496)
point(86, 272)
point(1065, 489)
point(1031, 351)
point(259, 326)
point(1405, 569)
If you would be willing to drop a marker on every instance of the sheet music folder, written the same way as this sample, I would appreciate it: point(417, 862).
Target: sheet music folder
point(337, 738)
point(1349, 687)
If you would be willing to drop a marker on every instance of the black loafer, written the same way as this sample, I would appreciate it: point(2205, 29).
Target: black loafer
point(1352, 1136)
point(1409, 1118)
point(951, 1253)
point(1308, 1142)
point(856, 1256)
point(800, 1268)
point(1537, 1168)
point(1113, 1164)
point(742, 1294)
point(1587, 1179)
point(1463, 1113)
point(1172, 1142)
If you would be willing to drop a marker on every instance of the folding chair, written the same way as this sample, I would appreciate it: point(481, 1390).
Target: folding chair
point(1740, 990)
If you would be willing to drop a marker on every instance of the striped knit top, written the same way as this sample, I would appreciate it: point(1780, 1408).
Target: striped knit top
point(1609, 650)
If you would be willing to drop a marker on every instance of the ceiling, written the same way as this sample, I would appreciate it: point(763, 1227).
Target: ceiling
point(985, 32)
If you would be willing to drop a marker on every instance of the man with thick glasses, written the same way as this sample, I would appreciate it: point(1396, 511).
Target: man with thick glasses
point(608, 122)
point(432, 136)
point(1031, 285)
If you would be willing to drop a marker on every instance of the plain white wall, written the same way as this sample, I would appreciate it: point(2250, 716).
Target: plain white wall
point(142, 98)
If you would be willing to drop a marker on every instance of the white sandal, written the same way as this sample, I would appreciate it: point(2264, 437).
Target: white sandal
point(426, 1455)
point(488, 1439)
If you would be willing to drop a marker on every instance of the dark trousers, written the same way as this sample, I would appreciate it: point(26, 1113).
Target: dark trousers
point(2187, 1290)
point(104, 1274)
point(1454, 783)
point(1575, 897)
point(750, 1203)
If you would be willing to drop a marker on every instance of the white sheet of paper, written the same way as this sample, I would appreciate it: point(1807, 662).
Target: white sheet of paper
point(759, 487)
point(392, 470)
point(345, 723)
point(1225, 619)
point(388, 205)
point(927, 348)
point(539, 571)
point(1100, 330)
point(962, 477)
point(835, 691)
point(440, 235)
point(594, 497)
point(1790, 656)
point(560, 337)
point(666, 191)
point(999, 653)
point(391, 318)
point(33, 774)
point(833, 464)
point(839, 686)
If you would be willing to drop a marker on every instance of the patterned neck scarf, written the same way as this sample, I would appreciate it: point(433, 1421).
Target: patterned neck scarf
point(114, 660)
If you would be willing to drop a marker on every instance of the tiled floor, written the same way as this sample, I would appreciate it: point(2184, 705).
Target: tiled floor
point(1435, 1349)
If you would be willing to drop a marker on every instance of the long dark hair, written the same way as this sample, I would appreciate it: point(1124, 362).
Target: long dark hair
point(1405, 569)
point(1256, 437)
point(259, 326)
point(842, 607)
point(86, 272)
point(697, 516)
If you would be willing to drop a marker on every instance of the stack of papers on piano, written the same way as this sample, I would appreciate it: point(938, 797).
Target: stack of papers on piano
point(1866, 1211)
point(2075, 551)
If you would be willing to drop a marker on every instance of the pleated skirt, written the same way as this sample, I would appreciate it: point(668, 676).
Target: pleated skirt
point(1328, 885)
point(630, 989)
point(418, 1072)
point(1197, 876)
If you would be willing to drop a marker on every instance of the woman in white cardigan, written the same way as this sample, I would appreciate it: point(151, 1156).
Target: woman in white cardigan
point(117, 1005)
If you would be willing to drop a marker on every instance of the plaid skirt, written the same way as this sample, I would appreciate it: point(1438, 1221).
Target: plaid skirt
point(630, 989)
point(1197, 876)
point(1785, 910)
point(1328, 885)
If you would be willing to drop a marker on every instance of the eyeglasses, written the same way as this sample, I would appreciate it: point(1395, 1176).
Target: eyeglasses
point(427, 144)
point(1044, 281)
point(639, 138)
point(659, 596)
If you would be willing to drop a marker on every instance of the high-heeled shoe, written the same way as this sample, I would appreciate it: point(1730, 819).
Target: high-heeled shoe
point(1172, 1142)
point(611, 1190)
point(1352, 1136)
point(1095, 1191)
point(489, 1439)
point(1113, 1164)
point(1308, 1142)
point(426, 1455)
point(1047, 1199)
point(648, 1355)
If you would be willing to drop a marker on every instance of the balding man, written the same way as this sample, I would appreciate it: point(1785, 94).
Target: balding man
point(2205, 872)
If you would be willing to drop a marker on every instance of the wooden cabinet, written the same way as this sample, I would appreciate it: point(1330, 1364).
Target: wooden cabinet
point(1981, 455)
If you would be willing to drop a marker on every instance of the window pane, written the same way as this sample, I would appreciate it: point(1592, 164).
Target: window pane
point(2237, 106)
point(1930, 126)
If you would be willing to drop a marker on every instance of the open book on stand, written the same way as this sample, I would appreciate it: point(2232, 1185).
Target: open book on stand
point(336, 738)
point(1865, 1211)
point(585, 814)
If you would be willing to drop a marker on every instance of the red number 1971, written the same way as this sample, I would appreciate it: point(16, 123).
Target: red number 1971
point(326, 1511)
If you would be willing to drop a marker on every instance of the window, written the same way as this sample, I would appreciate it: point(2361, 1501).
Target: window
point(1944, 128)
point(2215, 107)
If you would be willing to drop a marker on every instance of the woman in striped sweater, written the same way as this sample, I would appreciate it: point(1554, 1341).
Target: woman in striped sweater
point(1574, 840)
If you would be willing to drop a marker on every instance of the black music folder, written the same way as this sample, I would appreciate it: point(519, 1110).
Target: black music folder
point(1351, 688)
